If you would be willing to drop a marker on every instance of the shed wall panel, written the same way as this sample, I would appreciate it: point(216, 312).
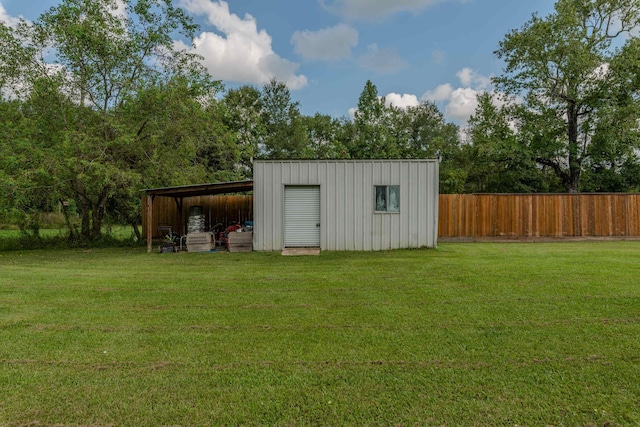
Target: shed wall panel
point(347, 217)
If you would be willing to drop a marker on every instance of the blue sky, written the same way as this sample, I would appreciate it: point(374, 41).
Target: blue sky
point(325, 50)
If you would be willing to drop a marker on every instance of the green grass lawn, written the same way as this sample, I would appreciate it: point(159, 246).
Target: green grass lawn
point(468, 334)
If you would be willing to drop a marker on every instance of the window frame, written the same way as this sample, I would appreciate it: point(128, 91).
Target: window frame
point(387, 197)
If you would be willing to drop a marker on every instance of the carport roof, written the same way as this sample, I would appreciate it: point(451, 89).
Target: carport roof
point(201, 189)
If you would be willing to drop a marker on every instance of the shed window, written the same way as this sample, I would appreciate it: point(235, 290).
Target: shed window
point(387, 198)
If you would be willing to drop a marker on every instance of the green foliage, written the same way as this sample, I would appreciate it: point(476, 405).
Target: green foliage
point(426, 135)
point(373, 136)
point(500, 161)
point(120, 111)
point(285, 134)
point(53, 235)
point(565, 67)
point(613, 163)
point(242, 114)
point(327, 137)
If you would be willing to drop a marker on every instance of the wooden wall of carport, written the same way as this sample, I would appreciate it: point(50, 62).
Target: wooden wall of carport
point(225, 209)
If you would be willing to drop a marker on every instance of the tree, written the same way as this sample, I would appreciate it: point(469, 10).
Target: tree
point(26, 189)
point(243, 115)
point(96, 107)
point(372, 138)
point(326, 137)
point(172, 135)
point(499, 161)
point(285, 134)
point(560, 67)
point(426, 134)
point(380, 131)
point(613, 155)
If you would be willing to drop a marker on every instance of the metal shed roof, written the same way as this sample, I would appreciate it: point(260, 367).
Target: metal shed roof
point(201, 189)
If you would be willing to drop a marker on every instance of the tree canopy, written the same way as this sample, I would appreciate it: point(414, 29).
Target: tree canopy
point(106, 100)
point(567, 71)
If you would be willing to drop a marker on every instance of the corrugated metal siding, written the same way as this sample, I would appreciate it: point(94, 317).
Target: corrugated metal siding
point(347, 202)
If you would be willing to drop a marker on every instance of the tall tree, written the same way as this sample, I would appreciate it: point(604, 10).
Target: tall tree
point(171, 135)
point(243, 115)
point(26, 188)
point(614, 163)
point(499, 162)
point(560, 66)
point(424, 133)
point(372, 138)
point(91, 72)
point(326, 137)
point(381, 131)
point(285, 136)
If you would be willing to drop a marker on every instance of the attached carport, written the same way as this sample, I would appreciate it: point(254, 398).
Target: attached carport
point(178, 194)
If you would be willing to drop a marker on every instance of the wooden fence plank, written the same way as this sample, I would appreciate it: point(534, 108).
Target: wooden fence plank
point(539, 215)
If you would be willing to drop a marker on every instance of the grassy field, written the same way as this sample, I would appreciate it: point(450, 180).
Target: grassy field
point(12, 239)
point(116, 231)
point(469, 334)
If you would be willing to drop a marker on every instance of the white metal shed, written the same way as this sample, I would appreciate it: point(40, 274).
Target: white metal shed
point(345, 204)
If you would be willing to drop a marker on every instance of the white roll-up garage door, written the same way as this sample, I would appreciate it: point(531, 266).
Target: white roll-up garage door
point(302, 216)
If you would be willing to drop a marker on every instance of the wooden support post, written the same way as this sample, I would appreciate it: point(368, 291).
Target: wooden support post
point(178, 201)
point(149, 223)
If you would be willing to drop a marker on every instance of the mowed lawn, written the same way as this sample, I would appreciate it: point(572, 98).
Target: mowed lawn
point(531, 334)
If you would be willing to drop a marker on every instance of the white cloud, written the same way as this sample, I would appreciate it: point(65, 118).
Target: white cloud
point(9, 20)
point(461, 102)
point(397, 100)
point(382, 61)
point(441, 93)
point(121, 9)
point(376, 9)
point(403, 101)
point(243, 53)
point(327, 44)
point(469, 77)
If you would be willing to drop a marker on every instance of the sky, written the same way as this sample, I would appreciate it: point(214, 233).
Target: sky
point(325, 50)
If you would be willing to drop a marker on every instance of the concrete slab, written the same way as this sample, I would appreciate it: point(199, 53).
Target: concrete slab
point(300, 251)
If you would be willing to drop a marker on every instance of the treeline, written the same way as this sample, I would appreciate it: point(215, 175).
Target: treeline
point(97, 106)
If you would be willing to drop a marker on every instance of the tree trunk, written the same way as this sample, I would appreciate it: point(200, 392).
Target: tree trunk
point(98, 214)
point(67, 220)
point(85, 229)
point(136, 231)
point(572, 185)
point(96, 226)
point(572, 188)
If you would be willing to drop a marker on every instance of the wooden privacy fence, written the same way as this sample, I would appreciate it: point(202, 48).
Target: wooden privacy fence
point(227, 210)
point(526, 216)
point(463, 216)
